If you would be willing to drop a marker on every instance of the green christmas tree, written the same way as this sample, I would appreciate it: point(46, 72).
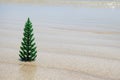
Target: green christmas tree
point(28, 46)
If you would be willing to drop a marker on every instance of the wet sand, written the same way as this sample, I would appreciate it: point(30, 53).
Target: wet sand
point(79, 47)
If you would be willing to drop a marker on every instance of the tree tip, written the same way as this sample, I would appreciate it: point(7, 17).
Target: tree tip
point(28, 19)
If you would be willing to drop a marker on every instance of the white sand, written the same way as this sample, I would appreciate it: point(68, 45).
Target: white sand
point(61, 55)
point(65, 52)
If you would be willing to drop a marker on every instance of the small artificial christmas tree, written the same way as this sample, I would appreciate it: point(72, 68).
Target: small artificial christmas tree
point(28, 48)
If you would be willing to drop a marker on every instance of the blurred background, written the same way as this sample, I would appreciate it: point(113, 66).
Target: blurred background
point(97, 3)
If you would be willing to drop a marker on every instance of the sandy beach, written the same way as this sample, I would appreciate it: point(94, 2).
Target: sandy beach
point(73, 43)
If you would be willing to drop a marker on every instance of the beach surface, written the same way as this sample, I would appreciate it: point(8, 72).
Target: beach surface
point(73, 42)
